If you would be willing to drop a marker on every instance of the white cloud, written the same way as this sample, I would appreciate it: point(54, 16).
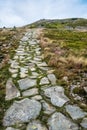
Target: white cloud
point(21, 12)
point(11, 19)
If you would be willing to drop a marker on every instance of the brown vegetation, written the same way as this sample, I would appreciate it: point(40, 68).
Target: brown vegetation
point(66, 52)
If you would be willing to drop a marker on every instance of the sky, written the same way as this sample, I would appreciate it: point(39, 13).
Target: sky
point(23, 12)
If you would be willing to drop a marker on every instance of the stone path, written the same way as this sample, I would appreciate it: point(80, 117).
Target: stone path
point(38, 102)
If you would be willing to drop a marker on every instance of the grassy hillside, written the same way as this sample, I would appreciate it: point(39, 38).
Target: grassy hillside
point(60, 24)
point(66, 51)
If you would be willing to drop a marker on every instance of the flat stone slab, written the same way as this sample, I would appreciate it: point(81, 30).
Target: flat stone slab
point(23, 75)
point(37, 97)
point(10, 128)
point(21, 53)
point(14, 75)
point(35, 74)
point(47, 108)
point(33, 69)
point(43, 64)
point(36, 125)
point(57, 96)
point(26, 83)
point(38, 53)
point(59, 122)
point(50, 71)
point(85, 89)
point(31, 65)
point(11, 90)
point(30, 92)
point(21, 112)
point(24, 39)
point(24, 70)
point(32, 43)
point(37, 59)
point(84, 123)
point(35, 62)
point(15, 65)
point(16, 57)
point(52, 78)
point(75, 112)
point(13, 70)
point(44, 81)
point(44, 68)
point(21, 58)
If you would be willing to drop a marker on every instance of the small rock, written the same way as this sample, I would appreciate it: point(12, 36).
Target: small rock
point(38, 52)
point(47, 108)
point(35, 74)
point(37, 97)
point(11, 90)
point(24, 39)
point(85, 89)
point(26, 83)
point(36, 125)
point(13, 70)
point(31, 65)
point(22, 61)
point(23, 75)
point(38, 49)
point(44, 81)
point(15, 65)
point(21, 58)
point(10, 128)
point(75, 112)
point(22, 112)
point(78, 98)
point(33, 69)
point(59, 122)
point(14, 75)
point(37, 59)
point(34, 62)
point(65, 78)
point(44, 68)
point(50, 71)
point(57, 96)
point(16, 57)
point(84, 123)
point(32, 43)
point(43, 64)
point(52, 78)
point(30, 92)
point(23, 70)
point(20, 53)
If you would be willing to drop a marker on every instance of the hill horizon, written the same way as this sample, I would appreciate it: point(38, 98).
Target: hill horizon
point(49, 20)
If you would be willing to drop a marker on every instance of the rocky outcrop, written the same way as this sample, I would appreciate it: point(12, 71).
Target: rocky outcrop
point(11, 90)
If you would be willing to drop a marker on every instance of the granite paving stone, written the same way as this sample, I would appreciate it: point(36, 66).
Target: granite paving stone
point(26, 83)
point(56, 95)
point(60, 122)
point(22, 111)
point(75, 112)
point(30, 92)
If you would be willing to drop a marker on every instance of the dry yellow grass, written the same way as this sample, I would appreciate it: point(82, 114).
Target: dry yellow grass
point(77, 60)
